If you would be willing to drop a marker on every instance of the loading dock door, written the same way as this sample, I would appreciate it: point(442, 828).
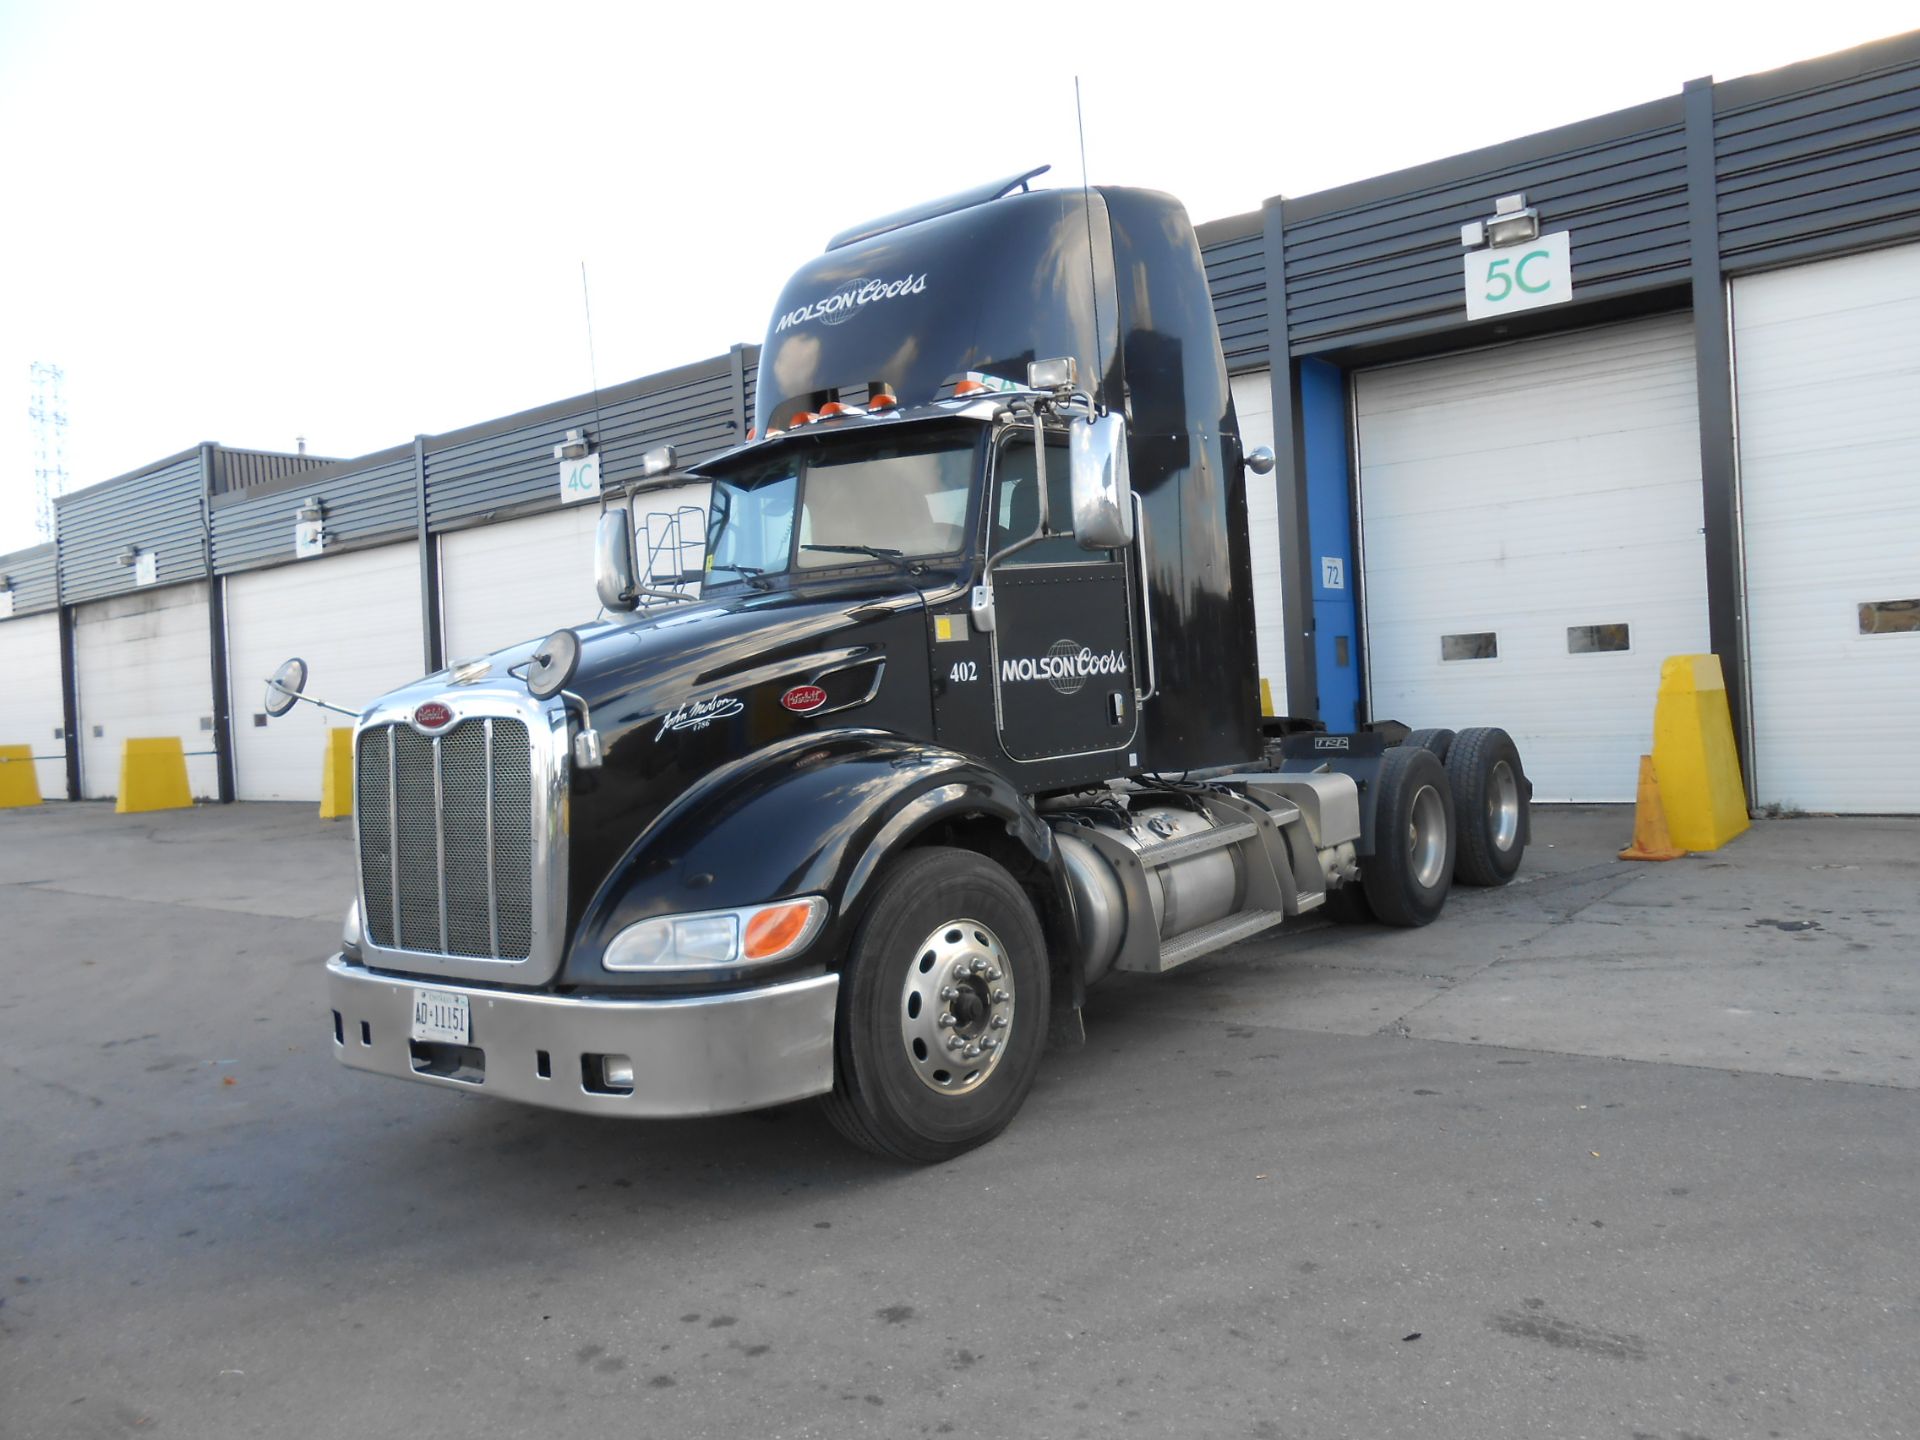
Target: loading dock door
point(1827, 360)
point(1253, 408)
point(30, 709)
point(355, 620)
point(521, 579)
point(1531, 543)
point(143, 667)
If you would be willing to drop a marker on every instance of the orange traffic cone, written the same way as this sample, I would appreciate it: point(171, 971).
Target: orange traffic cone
point(1650, 838)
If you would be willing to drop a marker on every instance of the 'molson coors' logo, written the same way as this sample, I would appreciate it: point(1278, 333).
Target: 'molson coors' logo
point(1066, 666)
point(846, 302)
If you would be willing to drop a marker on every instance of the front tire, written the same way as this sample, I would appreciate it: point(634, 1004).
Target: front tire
point(950, 950)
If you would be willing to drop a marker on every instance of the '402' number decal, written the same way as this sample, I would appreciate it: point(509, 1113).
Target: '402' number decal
point(963, 671)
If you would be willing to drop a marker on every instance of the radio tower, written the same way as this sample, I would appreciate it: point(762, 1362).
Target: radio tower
point(48, 412)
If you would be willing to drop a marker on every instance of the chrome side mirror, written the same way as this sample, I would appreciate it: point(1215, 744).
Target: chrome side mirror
point(1260, 460)
point(1102, 486)
point(613, 572)
point(284, 687)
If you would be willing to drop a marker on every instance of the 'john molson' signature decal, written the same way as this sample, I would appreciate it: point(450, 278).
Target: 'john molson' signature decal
point(697, 715)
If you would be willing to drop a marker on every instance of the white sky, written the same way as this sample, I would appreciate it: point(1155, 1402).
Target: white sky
point(359, 222)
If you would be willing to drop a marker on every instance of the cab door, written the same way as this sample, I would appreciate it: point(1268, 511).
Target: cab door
point(1062, 644)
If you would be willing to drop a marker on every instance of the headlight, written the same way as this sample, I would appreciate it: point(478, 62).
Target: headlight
point(350, 932)
point(718, 939)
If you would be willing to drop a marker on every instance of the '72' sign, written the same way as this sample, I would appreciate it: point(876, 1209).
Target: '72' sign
point(1519, 277)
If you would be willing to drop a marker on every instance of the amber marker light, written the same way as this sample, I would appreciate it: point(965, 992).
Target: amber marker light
point(776, 930)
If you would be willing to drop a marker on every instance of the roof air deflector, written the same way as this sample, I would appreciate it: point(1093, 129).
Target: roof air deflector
point(964, 200)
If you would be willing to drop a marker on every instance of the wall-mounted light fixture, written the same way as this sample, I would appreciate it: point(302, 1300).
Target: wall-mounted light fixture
point(129, 554)
point(310, 527)
point(574, 447)
point(1514, 222)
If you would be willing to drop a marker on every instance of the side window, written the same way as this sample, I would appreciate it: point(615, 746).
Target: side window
point(1016, 504)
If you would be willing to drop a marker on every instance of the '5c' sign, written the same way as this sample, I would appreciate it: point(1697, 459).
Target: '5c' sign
point(1519, 277)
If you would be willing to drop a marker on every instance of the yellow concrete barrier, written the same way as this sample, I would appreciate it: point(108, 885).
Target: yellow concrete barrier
point(19, 786)
point(1693, 754)
point(153, 776)
point(336, 775)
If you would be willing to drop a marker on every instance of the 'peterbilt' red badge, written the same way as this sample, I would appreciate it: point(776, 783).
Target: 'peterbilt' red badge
point(432, 716)
point(803, 698)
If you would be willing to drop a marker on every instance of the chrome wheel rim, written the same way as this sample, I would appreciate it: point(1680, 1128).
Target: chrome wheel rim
point(1427, 837)
point(1503, 806)
point(956, 1007)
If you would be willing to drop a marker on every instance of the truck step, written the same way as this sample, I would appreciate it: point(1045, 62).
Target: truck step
point(1208, 938)
point(1185, 847)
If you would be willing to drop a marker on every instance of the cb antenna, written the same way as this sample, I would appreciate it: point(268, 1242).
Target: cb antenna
point(1093, 270)
point(593, 368)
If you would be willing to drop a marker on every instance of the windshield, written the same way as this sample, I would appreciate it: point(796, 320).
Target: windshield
point(819, 506)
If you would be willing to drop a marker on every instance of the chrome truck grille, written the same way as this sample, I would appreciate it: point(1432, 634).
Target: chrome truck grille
point(446, 838)
point(461, 839)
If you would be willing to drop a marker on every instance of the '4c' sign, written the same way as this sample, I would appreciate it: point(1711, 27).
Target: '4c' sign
point(1519, 277)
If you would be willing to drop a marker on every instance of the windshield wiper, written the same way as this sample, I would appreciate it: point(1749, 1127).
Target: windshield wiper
point(752, 574)
point(878, 552)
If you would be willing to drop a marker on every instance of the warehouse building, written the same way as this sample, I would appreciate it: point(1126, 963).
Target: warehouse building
point(1545, 413)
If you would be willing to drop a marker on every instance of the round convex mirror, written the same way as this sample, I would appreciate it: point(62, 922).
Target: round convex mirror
point(554, 661)
point(284, 687)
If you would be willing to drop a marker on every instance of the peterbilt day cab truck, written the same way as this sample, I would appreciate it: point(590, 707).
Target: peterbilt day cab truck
point(962, 721)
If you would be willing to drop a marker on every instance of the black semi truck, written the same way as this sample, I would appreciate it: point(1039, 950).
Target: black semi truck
point(962, 721)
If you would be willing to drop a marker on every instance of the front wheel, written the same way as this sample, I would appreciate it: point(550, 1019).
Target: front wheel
point(943, 1009)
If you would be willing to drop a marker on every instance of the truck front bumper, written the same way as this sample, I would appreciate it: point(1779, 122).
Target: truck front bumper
point(711, 1055)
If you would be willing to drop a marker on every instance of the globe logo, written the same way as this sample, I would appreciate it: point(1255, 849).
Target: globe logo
point(1064, 677)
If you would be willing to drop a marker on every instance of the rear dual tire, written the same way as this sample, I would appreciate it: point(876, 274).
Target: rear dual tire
point(1407, 877)
point(1490, 797)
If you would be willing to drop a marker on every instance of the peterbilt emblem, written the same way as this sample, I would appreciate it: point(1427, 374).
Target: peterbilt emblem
point(433, 716)
point(802, 698)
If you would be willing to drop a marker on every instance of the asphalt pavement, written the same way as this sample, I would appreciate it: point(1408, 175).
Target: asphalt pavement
point(1618, 1151)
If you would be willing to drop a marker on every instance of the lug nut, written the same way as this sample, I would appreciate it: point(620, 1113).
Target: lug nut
point(944, 1021)
point(1001, 997)
point(954, 1042)
point(999, 1022)
point(972, 1052)
point(949, 992)
point(989, 1043)
point(993, 974)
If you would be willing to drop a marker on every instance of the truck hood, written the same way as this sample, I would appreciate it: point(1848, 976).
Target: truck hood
point(683, 690)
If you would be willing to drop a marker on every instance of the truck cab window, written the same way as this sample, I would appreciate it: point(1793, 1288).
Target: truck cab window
point(851, 504)
point(909, 500)
point(1016, 503)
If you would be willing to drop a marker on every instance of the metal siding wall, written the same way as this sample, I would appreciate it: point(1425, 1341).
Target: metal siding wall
point(1822, 172)
point(1237, 278)
point(371, 502)
point(158, 511)
point(243, 469)
point(467, 478)
point(35, 575)
point(1393, 266)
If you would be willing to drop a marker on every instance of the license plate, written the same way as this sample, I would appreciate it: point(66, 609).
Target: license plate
point(442, 1015)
